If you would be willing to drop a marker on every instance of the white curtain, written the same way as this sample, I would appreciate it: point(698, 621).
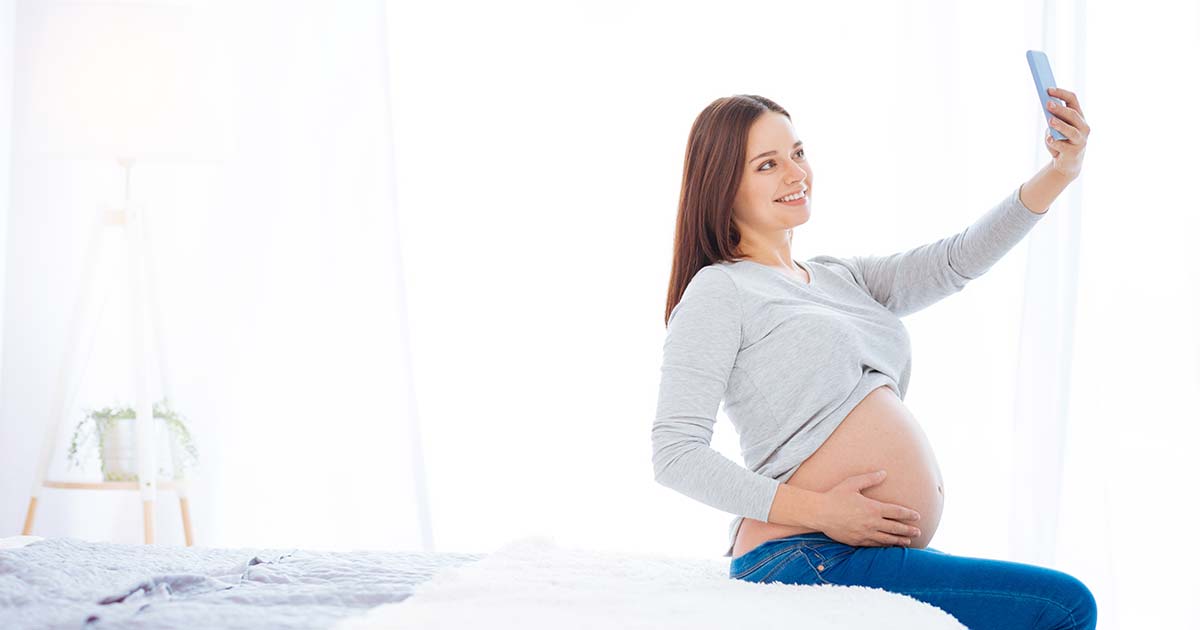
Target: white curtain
point(434, 260)
point(1109, 364)
point(7, 29)
point(280, 281)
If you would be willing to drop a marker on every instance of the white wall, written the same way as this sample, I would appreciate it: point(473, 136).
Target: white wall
point(7, 32)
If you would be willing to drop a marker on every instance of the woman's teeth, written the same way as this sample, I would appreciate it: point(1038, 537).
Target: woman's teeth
point(793, 197)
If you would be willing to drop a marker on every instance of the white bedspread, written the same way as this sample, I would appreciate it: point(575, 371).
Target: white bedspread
point(534, 583)
point(16, 542)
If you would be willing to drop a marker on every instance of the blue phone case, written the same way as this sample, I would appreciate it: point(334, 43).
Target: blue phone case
point(1039, 65)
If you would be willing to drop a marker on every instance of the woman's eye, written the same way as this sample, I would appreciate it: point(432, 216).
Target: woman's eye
point(800, 151)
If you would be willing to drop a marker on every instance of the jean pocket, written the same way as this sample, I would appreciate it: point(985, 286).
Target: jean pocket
point(824, 556)
point(755, 565)
point(804, 563)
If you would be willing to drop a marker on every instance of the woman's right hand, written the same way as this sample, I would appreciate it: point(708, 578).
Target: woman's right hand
point(853, 519)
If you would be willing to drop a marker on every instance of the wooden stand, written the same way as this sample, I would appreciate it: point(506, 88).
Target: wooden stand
point(147, 506)
point(133, 221)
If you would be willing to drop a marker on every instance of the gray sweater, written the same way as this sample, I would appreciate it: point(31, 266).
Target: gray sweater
point(792, 359)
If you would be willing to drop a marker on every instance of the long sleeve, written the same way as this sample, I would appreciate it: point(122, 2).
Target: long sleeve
point(704, 334)
point(909, 281)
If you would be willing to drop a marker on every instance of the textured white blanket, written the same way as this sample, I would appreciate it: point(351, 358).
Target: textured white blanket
point(16, 542)
point(533, 583)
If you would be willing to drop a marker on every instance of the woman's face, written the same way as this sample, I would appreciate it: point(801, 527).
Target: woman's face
point(775, 166)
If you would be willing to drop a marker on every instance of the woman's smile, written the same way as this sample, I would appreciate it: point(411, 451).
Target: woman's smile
point(796, 202)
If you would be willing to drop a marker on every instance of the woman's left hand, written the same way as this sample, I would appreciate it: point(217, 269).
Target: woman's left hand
point(1068, 120)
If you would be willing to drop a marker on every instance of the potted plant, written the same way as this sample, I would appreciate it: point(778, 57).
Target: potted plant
point(112, 431)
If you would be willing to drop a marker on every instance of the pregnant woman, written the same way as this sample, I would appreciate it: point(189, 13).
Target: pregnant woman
point(812, 361)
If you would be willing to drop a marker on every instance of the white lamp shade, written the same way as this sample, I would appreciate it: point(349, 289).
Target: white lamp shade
point(114, 80)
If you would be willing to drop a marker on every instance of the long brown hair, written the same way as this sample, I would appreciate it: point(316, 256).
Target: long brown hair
point(712, 171)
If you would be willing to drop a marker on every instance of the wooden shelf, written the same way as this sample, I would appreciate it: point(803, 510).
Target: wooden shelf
point(104, 485)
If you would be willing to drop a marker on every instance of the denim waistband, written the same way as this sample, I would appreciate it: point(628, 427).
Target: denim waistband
point(809, 535)
point(754, 553)
point(806, 536)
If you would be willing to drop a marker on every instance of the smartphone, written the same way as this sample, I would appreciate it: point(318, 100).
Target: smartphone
point(1039, 65)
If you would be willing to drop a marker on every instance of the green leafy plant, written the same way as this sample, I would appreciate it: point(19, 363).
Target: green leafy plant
point(98, 424)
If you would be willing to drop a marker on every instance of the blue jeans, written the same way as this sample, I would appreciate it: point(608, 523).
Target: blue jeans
point(980, 593)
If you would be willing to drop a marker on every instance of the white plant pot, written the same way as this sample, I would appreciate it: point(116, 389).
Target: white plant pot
point(118, 459)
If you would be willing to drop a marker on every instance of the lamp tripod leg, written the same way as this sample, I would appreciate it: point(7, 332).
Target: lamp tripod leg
point(187, 520)
point(59, 405)
point(159, 342)
point(28, 529)
point(144, 422)
point(148, 520)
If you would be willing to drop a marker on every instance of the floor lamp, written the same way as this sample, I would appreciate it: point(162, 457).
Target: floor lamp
point(134, 82)
point(143, 297)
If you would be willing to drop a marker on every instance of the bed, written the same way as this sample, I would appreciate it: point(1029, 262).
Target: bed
point(72, 583)
point(529, 584)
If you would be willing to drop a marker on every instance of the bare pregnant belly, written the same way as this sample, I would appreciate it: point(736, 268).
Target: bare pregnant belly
point(879, 434)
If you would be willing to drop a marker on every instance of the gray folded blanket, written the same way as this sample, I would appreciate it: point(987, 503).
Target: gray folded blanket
point(72, 583)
